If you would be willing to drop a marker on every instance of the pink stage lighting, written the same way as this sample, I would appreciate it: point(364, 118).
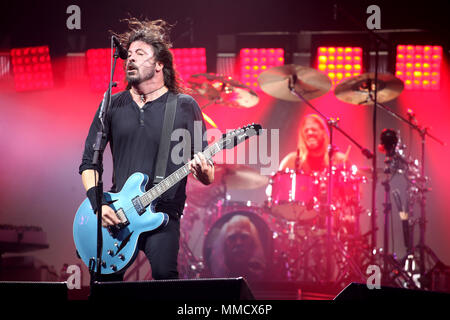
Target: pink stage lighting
point(339, 63)
point(99, 68)
point(189, 61)
point(419, 66)
point(32, 68)
point(253, 61)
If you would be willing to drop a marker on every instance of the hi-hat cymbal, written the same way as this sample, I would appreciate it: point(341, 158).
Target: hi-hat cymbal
point(356, 90)
point(309, 82)
point(223, 90)
point(241, 177)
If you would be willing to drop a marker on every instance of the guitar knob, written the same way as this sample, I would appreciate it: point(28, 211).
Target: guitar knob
point(110, 252)
point(113, 267)
point(103, 264)
point(121, 257)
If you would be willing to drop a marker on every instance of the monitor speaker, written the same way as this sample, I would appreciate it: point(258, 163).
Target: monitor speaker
point(359, 291)
point(33, 291)
point(230, 289)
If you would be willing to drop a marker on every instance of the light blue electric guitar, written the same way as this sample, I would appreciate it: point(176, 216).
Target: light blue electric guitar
point(134, 208)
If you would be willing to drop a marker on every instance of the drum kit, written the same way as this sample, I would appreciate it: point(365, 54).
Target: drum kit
point(298, 233)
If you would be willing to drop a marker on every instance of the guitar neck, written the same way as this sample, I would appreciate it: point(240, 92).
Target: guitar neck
point(177, 176)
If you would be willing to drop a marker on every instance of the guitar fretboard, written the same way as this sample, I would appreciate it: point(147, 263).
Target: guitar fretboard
point(178, 175)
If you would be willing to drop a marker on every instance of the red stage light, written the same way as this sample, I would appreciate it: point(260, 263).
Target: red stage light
point(189, 61)
point(339, 62)
point(253, 61)
point(422, 68)
point(99, 69)
point(32, 68)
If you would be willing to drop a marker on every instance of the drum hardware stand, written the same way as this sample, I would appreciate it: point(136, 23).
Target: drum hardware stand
point(194, 267)
point(423, 132)
point(290, 261)
point(392, 162)
point(327, 208)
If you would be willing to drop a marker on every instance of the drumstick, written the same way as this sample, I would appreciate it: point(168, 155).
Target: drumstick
point(347, 153)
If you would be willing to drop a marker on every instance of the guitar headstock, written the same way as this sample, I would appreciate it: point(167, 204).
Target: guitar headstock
point(233, 138)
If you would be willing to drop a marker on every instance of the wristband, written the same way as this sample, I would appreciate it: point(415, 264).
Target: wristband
point(92, 196)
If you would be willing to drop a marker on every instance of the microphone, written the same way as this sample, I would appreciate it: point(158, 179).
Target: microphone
point(123, 54)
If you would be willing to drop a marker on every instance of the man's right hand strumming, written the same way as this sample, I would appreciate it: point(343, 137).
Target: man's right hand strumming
point(109, 217)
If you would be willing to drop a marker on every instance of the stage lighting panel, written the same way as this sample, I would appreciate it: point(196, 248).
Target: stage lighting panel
point(189, 61)
point(32, 68)
point(419, 66)
point(254, 61)
point(339, 63)
point(99, 69)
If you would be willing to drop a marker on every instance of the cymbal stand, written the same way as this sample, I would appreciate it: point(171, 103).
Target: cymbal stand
point(373, 94)
point(423, 132)
point(327, 207)
point(393, 163)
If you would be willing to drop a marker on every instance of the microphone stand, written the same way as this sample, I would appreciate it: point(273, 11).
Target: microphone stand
point(95, 265)
point(331, 124)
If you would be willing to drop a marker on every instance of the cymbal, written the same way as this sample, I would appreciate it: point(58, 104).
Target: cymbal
point(356, 90)
point(202, 84)
point(241, 177)
point(309, 83)
point(223, 90)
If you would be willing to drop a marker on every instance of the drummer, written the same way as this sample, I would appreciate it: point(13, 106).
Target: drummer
point(312, 148)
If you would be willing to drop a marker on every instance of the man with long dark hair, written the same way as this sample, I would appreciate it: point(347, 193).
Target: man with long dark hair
point(133, 127)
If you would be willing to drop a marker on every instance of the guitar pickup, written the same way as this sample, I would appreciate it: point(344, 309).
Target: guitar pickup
point(138, 206)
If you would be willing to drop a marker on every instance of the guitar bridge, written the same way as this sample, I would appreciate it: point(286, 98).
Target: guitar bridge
point(138, 206)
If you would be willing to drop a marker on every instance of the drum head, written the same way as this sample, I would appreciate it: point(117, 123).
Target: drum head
point(293, 196)
point(239, 244)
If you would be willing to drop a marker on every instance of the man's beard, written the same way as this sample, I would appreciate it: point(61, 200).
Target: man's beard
point(136, 79)
point(314, 145)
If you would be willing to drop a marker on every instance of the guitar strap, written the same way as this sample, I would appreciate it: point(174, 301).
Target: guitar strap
point(164, 143)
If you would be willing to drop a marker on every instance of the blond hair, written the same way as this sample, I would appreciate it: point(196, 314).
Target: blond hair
point(303, 150)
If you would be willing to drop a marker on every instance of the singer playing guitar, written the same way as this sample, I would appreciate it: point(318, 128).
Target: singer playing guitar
point(134, 123)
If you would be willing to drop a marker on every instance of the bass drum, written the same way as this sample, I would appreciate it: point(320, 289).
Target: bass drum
point(239, 244)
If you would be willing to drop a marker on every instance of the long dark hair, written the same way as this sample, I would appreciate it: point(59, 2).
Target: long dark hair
point(156, 34)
